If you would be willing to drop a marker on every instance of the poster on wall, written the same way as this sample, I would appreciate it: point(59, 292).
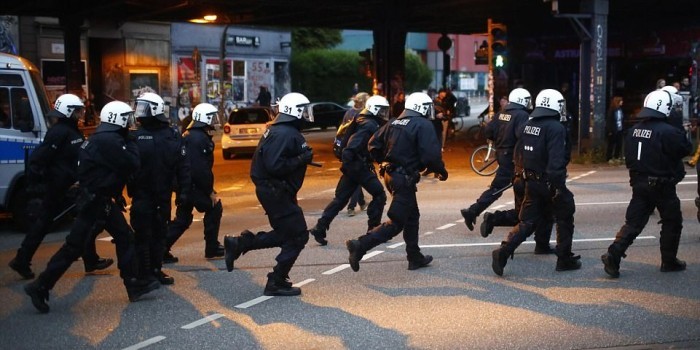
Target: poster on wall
point(259, 73)
point(188, 86)
point(143, 81)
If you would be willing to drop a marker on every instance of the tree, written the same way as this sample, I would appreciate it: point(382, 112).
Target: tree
point(315, 38)
point(418, 76)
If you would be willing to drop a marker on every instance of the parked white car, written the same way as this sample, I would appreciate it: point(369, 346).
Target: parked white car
point(243, 129)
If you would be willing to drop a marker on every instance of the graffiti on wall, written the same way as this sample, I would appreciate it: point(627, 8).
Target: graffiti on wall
point(9, 35)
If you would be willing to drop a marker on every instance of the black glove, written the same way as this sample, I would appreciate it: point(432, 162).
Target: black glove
point(307, 156)
point(120, 201)
point(442, 174)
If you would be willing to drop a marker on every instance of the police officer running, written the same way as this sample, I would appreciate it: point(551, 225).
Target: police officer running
point(654, 150)
point(163, 161)
point(52, 170)
point(107, 160)
point(544, 146)
point(278, 170)
point(200, 151)
point(357, 170)
point(405, 146)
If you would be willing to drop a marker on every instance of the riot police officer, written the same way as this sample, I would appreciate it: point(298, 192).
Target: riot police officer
point(654, 151)
point(502, 131)
point(405, 146)
point(52, 170)
point(163, 161)
point(357, 170)
point(106, 162)
point(200, 151)
point(544, 148)
point(278, 170)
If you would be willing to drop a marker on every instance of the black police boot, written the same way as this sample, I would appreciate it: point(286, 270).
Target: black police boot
point(100, 264)
point(417, 264)
point(543, 249)
point(500, 259)
point(22, 269)
point(319, 233)
point(233, 247)
point(39, 295)
point(216, 251)
point(568, 263)
point(672, 265)
point(279, 286)
point(355, 249)
point(169, 258)
point(487, 225)
point(136, 288)
point(611, 261)
point(163, 277)
point(469, 218)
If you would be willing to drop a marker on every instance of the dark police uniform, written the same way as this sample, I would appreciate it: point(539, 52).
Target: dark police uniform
point(52, 170)
point(107, 160)
point(502, 129)
point(357, 170)
point(277, 170)
point(200, 150)
point(163, 160)
point(544, 149)
point(406, 146)
point(654, 150)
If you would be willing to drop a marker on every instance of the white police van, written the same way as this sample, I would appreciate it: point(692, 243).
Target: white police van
point(23, 107)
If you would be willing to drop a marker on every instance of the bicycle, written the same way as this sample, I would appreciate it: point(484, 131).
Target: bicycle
point(483, 160)
point(476, 132)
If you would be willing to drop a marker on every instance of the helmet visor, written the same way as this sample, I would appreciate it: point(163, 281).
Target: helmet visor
point(429, 111)
point(305, 113)
point(383, 113)
point(76, 112)
point(143, 109)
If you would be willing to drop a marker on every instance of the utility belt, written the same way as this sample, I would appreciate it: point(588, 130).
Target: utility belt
point(533, 175)
point(390, 168)
point(654, 180)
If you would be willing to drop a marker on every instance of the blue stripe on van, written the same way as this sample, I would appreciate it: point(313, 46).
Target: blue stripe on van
point(12, 149)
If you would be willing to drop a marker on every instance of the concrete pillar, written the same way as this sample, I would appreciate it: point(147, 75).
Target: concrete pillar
point(71, 38)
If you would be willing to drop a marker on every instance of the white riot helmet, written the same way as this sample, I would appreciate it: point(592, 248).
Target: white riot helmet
point(521, 97)
point(66, 105)
point(203, 115)
point(377, 106)
point(419, 104)
point(292, 106)
point(115, 116)
point(149, 105)
point(549, 102)
point(677, 99)
point(657, 104)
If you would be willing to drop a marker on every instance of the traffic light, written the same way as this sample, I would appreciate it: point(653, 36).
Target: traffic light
point(498, 37)
point(366, 62)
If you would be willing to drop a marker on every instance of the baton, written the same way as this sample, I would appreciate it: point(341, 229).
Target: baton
point(64, 212)
point(318, 165)
point(502, 189)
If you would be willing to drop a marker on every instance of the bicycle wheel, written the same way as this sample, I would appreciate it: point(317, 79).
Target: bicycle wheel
point(483, 161)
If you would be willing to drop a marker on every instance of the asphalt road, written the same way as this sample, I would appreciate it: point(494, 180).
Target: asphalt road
point(455, 303)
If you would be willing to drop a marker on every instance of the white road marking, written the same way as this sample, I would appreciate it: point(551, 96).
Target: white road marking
point(306, 281)
point(145, 343)
point(336, 269)
point(371, 254)
point(202, 321)
point(431, 232)
point(396, 245)
point(526, 242)
point(255, 301)
point(444, 226)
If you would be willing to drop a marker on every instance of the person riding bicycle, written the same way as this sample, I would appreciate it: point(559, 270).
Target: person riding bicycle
point(502, 130)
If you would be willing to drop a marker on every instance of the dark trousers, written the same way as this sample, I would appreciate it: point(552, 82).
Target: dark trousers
point(149, 219)
point(614, 149)
point(95, 211)
point(52, 204)
point(183, 220)
point(646, 197)
point(289, 230)
point(510, 218)
point(358, 197)
point(349, 182)
point(403, 215)
point(539, 205)
point(503, 177)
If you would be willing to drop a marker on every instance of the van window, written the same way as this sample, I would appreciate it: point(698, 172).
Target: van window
point(248, 116)
point(5, 110)
point(23, 118)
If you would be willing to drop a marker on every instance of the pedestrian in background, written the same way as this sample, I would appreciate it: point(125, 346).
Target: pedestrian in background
point(654, 151)
point(614, 123)
point(358, 196)
point(278, 170)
